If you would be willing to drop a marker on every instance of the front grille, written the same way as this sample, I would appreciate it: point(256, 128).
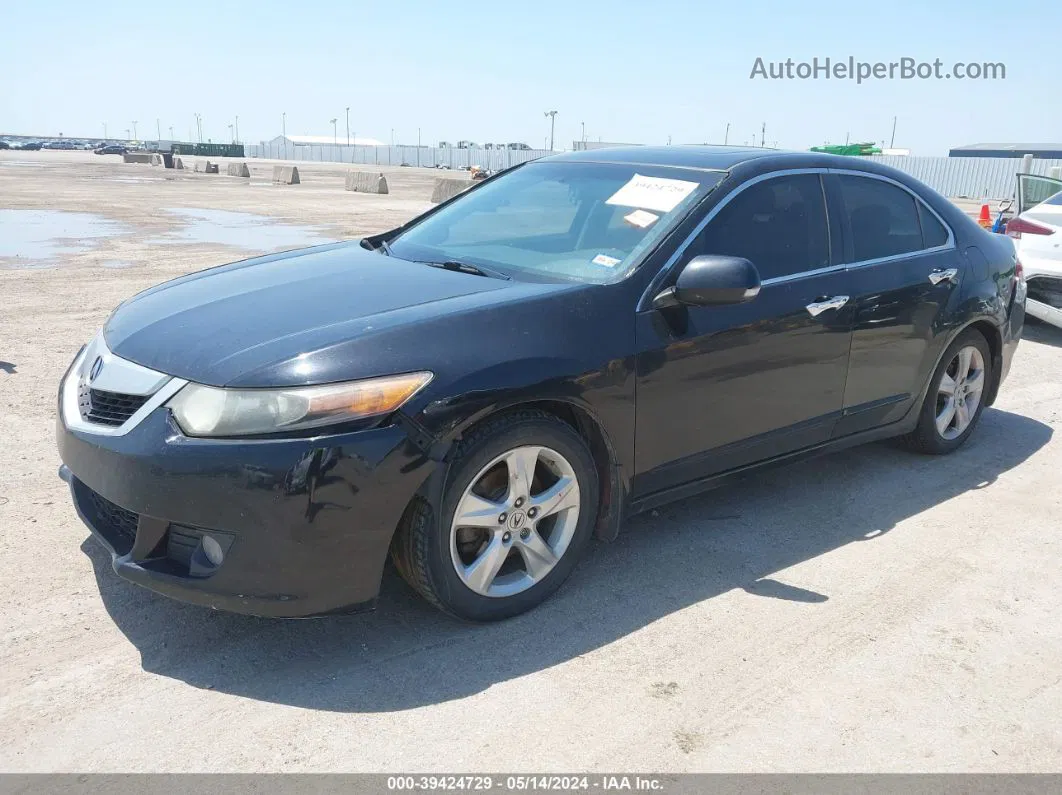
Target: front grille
point(107, 408)
point(112, 521)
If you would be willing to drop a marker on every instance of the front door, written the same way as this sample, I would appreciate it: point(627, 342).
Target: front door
point(724, 386)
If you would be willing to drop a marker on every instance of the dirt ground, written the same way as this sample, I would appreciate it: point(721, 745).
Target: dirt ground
point(872, 610)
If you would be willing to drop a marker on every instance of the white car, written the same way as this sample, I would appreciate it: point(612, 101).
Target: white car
point(1037, 233)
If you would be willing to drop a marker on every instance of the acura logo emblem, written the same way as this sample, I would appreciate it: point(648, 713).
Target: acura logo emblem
point(97, 367)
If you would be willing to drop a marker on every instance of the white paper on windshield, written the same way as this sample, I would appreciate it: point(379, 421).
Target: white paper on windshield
point(606, 260)
point(640, 218)
point(652, 193)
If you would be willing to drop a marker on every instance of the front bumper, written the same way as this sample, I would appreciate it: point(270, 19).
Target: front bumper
point(303, 524)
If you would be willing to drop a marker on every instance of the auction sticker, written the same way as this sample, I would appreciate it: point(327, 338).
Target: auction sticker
point(606, 260)
point(652, 193)
point(640, 218)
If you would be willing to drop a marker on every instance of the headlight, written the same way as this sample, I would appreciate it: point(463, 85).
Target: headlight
point(209, 411)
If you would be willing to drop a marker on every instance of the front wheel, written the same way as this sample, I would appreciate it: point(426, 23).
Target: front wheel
point(956, 396)
point(517, 510)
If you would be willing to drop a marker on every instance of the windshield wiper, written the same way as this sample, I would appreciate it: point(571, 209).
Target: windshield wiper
point(467, 267)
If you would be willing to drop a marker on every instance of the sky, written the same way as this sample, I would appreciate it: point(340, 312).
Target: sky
point(629, 70)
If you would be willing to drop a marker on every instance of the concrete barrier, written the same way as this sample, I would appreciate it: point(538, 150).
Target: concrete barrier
point(138, 157)
point(446, 188)
point(286, 175)
point(178, 163)
point(206, 167)
point(239, 170)
point(366, 182)
point(156, 160)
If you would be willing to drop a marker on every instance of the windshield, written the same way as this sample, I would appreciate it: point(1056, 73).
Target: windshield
point(587, 222)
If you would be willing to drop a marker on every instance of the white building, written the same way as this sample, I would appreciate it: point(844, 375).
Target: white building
point(324, 140)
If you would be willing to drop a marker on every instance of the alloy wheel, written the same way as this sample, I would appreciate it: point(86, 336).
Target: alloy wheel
point(514, 521)
point(959, 393)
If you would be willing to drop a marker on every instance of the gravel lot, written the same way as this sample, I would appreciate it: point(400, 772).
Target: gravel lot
point(871, 610)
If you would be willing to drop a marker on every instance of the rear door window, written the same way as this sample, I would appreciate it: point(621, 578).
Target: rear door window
point(882, 218)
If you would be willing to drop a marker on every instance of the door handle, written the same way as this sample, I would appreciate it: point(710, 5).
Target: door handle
point(818, 307)
point(938, 276)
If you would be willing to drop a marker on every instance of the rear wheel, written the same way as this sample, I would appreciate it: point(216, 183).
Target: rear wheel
point(956, 396)
point(517, 511)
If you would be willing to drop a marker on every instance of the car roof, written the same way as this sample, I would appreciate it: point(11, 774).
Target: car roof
point(717, 158)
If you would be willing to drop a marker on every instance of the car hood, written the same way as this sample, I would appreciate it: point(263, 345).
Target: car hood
point(265, 321)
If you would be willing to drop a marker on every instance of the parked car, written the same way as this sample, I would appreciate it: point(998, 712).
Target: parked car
point(30, 146)
point(483, 389)
point(111, 149)
point(1037, 232)
point(4, 145)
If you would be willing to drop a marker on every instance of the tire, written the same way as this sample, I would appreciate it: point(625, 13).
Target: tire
point(927, 437)
point(531, 546)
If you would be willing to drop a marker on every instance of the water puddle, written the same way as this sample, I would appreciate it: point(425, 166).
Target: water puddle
point(33, 238)
point(248, 231)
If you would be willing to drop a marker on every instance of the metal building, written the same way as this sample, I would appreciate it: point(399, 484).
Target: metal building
point(1045, 151)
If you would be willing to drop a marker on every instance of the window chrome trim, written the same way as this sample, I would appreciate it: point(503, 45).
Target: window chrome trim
point(792, 277)
point(947, 245)
point(117, 375)
point(645, 302)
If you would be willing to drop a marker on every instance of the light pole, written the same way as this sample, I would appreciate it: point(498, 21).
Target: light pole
point(105, 131)
point(348, 126)
point(583, 123)
point(335, 135)
point(199, 126)
point(233, 140)
point(726, 137)
point(171, 132)
point(237, 129)
point(392, 136)
point(158, 131)
point(552, 121)
point(892, 140)
point(134, 130)
point(284, 132)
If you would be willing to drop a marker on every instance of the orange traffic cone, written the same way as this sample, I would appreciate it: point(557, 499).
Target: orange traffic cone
point(985, 218)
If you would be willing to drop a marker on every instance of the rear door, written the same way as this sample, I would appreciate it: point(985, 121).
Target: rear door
point(1033, 190)
point(904, 268)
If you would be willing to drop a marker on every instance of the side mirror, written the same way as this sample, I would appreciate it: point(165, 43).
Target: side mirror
point(712, 281)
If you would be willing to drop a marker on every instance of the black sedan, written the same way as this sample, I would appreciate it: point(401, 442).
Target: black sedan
point(110, 149)
point(481, 390)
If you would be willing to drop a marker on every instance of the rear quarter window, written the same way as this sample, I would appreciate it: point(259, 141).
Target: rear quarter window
point(934, 232)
